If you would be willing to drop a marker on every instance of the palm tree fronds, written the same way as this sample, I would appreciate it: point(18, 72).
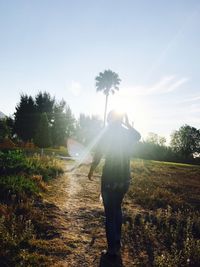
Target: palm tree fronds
point(107, 82)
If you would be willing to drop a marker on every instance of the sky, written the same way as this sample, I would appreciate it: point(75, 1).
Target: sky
point(61, 46)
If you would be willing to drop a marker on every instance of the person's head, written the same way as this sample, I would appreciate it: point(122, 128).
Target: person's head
point(115, 117)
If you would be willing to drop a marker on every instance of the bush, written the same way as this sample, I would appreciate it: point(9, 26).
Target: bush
point(15, 162)
point(46, 166)
point(16, 185)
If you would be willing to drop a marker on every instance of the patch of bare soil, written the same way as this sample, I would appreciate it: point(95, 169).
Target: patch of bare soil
point(80, 221)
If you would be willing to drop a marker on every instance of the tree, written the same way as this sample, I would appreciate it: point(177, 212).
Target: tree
point(4, 131)
point(25, 118)
point(152, 151)
point(155, 139)
point(63, 123)
point(58, 130)
point(70, 122)
point(42, 137)
point(6, 128)
point(186, 140)
point(10, 124)
point(44, 104)
point(88, 128)
point(107, 82)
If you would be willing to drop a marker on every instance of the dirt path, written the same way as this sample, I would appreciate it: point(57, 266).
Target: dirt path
point(81, 220)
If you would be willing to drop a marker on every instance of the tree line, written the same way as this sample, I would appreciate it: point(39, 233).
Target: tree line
point(184, 146)
point(47, 122)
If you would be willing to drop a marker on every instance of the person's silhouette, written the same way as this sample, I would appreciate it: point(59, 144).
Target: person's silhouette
point(116, 146)
point(106, 261)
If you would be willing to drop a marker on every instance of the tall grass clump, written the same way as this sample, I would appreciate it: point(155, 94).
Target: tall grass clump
point(23, 214)
point(15, 162)
point(17, 186)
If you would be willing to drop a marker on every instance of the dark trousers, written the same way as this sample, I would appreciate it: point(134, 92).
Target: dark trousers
point(112, 200)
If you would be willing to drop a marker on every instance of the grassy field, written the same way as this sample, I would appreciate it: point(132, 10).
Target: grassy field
point(166, 229)
point(161, 224)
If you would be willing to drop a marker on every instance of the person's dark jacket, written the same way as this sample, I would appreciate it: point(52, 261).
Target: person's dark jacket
point(116, 146)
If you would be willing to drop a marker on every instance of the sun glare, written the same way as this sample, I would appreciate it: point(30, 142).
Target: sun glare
point(138, 112)
point(139, 115)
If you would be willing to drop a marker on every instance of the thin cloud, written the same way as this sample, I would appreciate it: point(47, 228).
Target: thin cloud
point(191, 99)
point(165, 85)
point(176, 84)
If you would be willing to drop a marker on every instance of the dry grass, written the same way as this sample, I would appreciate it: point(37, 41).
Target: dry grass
point(166, 231)
point(161, 184)
point(161, 224)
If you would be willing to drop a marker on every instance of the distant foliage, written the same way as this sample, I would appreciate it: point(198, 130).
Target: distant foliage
point(88, 127)
point(186, 141)
point(63, 124)
point(154, 138)
point(59, 124)
point(153, 151)
point(27, 120)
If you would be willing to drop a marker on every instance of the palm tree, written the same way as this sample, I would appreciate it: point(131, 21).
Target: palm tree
point(107, 82)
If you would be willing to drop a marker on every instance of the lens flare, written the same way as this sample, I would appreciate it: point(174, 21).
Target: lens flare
point(81, 154)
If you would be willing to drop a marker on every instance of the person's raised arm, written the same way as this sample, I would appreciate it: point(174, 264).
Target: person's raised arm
point(95, 162)
point(134, 133)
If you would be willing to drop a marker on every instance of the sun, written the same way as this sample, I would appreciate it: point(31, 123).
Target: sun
point(138, 113)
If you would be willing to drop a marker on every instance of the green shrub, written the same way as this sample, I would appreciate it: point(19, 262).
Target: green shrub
point(15, 162)
point(47, 167)
point(17, 185)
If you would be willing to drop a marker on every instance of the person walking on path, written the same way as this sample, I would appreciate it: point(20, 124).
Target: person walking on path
point(116, 146)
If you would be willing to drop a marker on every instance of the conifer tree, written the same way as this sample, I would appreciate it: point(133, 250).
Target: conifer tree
point(43, 137)
point(25, 118)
